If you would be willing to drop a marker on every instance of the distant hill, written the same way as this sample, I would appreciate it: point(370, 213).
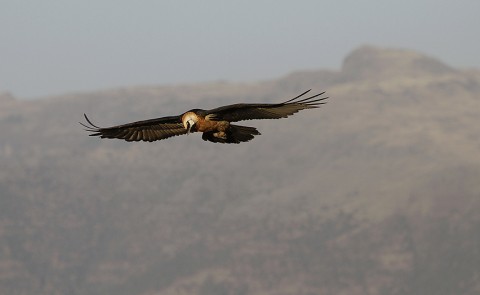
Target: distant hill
point(377, 192)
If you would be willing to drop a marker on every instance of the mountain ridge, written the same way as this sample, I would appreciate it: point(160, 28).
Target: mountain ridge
point(374, 192)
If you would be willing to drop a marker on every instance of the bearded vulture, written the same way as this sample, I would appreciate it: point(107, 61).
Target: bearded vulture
point(215, 124)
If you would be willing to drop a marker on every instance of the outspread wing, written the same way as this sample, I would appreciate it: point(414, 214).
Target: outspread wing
point(148, 130)
point(243, 111)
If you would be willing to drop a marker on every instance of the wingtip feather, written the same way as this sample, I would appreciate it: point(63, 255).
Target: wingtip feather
point(90, 122)
point(306, 100)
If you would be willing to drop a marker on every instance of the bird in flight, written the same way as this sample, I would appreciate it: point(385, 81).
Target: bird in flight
point(215, 124)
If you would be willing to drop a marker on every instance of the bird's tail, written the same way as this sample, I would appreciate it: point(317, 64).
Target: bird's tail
point(241, 133)
point(234, 134)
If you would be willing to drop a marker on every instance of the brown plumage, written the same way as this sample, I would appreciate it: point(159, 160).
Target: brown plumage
point(214, 124)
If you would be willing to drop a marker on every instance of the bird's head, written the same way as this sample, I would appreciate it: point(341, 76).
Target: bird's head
point(189, 120)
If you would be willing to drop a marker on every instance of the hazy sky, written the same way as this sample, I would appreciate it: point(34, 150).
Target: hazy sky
point(51, 47)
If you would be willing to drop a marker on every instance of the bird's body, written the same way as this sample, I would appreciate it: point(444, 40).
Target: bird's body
point(215, 124)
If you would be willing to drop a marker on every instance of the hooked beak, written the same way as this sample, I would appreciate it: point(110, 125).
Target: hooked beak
point(189, 127)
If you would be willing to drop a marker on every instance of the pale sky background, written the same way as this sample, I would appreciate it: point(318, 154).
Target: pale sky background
point(51, 47)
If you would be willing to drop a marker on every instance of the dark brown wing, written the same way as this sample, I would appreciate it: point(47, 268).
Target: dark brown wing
point(244, 111)
point(148, 130)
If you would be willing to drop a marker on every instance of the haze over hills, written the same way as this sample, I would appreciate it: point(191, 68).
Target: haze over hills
point(377, 192)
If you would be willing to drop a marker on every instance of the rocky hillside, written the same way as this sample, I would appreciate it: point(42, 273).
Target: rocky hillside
point(377, 192)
